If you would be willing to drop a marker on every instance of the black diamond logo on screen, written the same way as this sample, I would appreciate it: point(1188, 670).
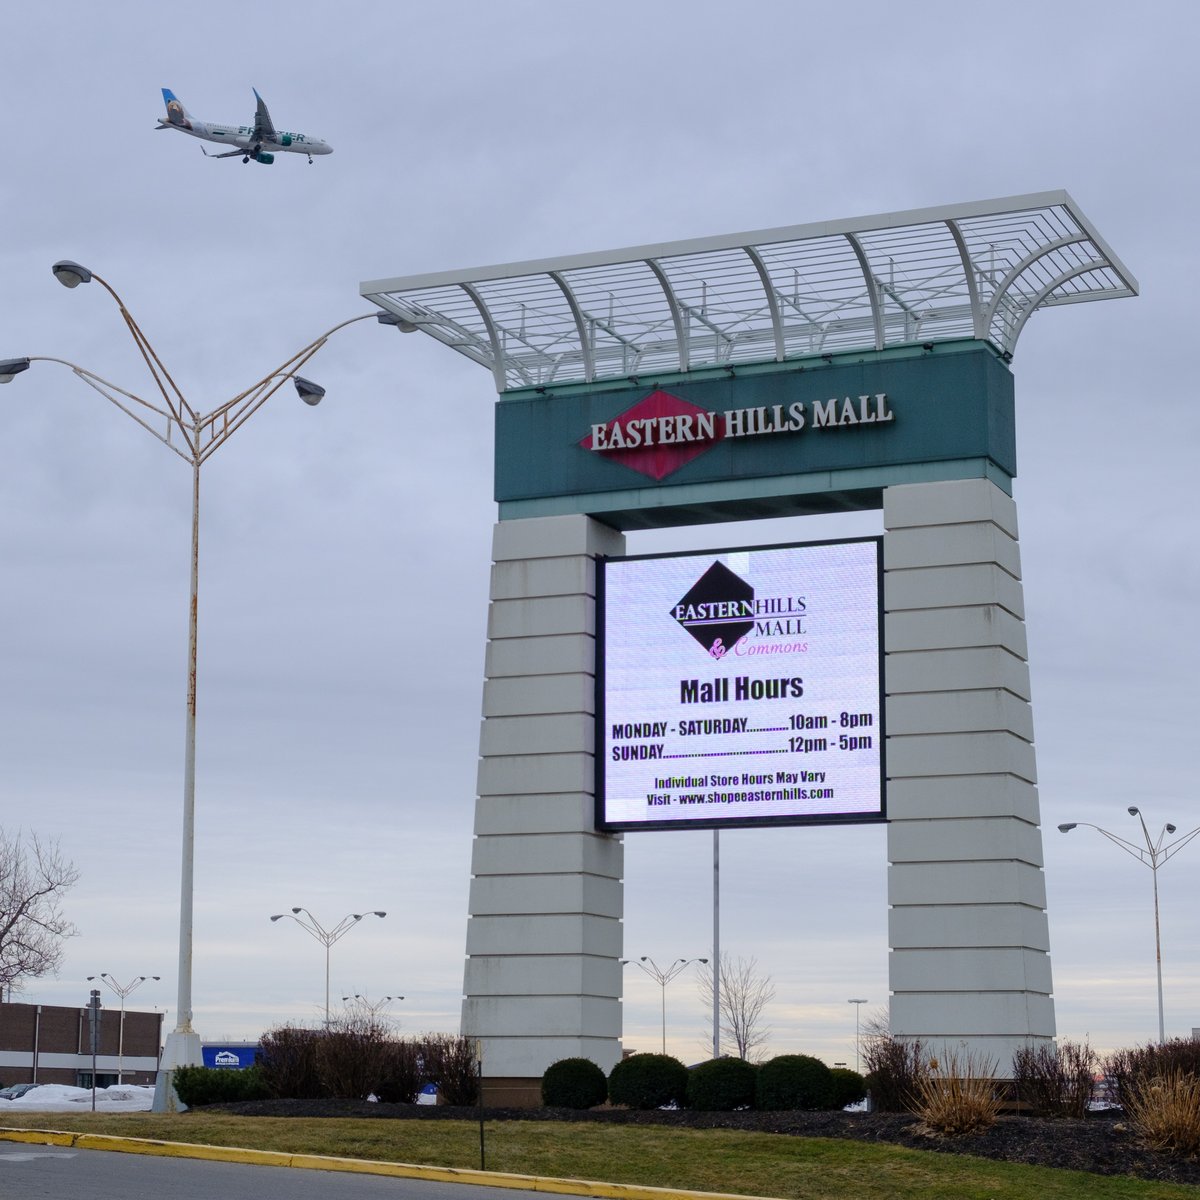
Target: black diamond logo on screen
point(717, 610)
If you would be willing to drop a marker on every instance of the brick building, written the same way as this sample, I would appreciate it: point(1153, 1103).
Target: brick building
point(48, 1043)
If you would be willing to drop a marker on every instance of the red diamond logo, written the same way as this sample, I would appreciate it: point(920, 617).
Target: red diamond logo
point(657, 436)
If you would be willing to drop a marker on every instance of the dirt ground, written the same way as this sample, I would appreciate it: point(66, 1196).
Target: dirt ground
point(1102, 1143)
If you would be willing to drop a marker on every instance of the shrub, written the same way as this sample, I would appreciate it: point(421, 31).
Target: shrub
point(846, 1087)
point(1137, 1068)
point(959, 1095)
point(352, 1057)
point(401, 1079)
point(197, 1086)
point(1055, 1082)
point(1165, 1111)
point(574, 1083)
point(648, 1081)
point(721, 1085)
point(893, 1070)
point(450, 1062)
point(289, 1062)
point(793, 1081)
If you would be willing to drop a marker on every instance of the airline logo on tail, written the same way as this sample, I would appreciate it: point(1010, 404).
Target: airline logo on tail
point(176, 113)
point(259, 140)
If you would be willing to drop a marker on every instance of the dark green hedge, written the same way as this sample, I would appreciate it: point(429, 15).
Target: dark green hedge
point(721, 1085)
point(648, 1081)
point(794, 1081)
point(574, 1083)
point(197, 1086)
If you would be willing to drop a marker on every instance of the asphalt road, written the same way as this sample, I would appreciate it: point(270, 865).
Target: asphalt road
point(57, 1173)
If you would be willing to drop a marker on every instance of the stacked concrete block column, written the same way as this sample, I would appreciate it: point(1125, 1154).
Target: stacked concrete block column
point(969, 966)
point(543, 975)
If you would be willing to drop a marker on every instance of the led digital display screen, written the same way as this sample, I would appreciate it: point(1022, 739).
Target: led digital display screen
point(740, 687)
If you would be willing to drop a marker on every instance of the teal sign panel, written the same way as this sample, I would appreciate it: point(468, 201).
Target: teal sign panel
point(880, 412)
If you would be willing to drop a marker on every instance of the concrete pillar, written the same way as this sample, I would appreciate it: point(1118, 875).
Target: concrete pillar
point(969, 965)
point(544, 937)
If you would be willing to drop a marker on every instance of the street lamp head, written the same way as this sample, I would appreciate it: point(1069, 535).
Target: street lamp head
point(1170, 828)
point(1067, 827)
point(308, 391)
point(1133, 810)
point(12, 366)
point(703, 960)
point(296, 910)
point(278, 916)
point(391, 318)
point(71, 274)
point(380, 913)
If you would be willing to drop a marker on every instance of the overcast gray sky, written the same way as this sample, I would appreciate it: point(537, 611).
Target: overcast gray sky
point(344, 554)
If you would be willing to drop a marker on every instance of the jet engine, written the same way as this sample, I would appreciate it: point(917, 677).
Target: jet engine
point(263, 157)
point(285, 139)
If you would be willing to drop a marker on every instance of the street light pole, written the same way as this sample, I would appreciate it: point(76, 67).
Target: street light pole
point(1153, 854)
point(122, 990)
point(326, 937)
point(663, 976)
point(195, 437)
point(371, 1009)
point(857, 1009)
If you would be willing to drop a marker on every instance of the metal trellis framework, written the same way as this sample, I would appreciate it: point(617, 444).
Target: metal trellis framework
point(976, 270)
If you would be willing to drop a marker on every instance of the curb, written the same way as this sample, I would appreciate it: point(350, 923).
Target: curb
point(358, 1166)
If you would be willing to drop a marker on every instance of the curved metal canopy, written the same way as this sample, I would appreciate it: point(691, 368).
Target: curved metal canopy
point(975, 270)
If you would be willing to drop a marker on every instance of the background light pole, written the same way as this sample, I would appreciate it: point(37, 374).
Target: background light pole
point(195, 437)
point(662, 976)
point(371, 1009)
point(857, 1009)
point(122, 990)
point(326, 937)
point(1152, 855)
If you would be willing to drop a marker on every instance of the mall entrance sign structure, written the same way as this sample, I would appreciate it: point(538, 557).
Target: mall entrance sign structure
point(857, 364)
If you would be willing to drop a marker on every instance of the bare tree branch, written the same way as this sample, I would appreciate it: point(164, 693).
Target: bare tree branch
point(744, 995)
point(34, 876)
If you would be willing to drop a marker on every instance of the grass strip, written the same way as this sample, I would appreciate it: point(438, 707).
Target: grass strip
point(701, 1160)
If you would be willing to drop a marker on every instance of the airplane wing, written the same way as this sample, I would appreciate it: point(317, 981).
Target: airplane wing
point(227, 154)
point(264, 128)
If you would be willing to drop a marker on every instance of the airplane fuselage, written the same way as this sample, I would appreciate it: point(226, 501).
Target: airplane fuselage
point(241, 137)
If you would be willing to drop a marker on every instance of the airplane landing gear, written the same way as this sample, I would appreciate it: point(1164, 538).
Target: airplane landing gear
point(310, 160)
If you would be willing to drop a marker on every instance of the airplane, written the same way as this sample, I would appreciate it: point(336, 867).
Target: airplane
point(249, 141)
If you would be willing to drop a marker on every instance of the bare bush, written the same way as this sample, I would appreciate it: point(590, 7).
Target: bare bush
point(894, 1068)
point(402, 1073)
point(451, 1063)
point(289, 1062)
point(958, 1095)
point(1055, 1081)
point(1136, 1068)
point(352, 1057)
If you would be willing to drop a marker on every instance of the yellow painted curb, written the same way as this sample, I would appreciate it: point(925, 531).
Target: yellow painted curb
point(359, 1166)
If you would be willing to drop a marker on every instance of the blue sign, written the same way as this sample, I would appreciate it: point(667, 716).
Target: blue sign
point(234, 1057)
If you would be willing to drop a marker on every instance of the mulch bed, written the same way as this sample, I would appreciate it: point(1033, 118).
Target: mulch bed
point(1102, 1144)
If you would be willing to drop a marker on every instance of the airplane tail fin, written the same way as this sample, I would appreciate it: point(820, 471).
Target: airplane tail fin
point(176, 113)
